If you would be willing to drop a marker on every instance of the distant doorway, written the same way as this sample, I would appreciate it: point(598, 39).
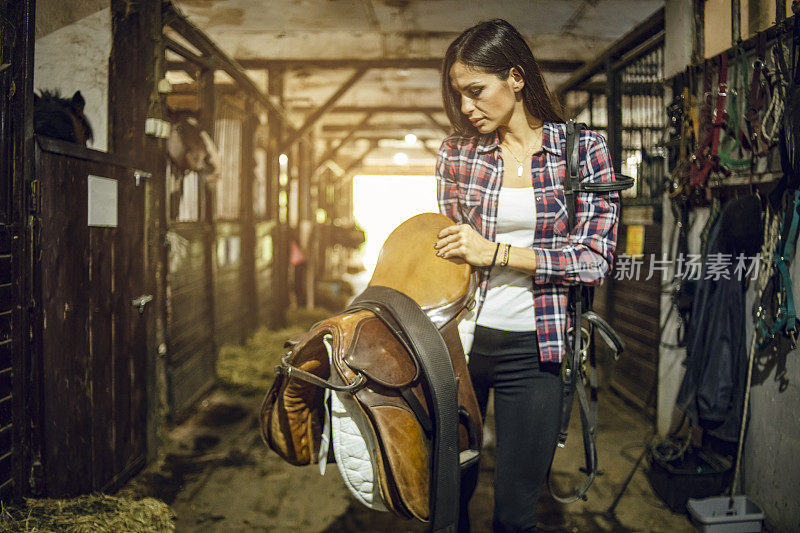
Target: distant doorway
point(381, 203)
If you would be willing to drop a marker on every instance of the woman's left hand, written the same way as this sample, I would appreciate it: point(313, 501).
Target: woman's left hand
point(463, 242)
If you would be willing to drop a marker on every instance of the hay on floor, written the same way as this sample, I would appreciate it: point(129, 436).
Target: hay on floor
point(250, 368)
point(92, 513)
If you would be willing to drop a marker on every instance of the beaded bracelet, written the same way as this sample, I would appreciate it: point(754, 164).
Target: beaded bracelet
point(506, 254)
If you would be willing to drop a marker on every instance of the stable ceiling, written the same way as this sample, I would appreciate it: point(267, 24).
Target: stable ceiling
point(563, 34)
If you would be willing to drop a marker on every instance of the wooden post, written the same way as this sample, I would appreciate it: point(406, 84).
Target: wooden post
point(16, 121)
point(208, 212)
point(280, 241)
point(132, 81)
point(248, 230)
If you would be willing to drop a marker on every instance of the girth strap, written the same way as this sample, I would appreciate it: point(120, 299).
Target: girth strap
point(402, 314)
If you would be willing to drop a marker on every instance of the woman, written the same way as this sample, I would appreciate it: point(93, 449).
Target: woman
point(512, 226)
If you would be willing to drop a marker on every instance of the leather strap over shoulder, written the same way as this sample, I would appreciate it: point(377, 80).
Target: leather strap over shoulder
point(572, 378)
point(573, 165)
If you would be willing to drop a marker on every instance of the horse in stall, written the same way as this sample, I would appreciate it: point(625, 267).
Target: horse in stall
point(61, 118)
point(189, 149)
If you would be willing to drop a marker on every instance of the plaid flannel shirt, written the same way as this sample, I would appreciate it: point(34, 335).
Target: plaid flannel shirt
point(469, 176)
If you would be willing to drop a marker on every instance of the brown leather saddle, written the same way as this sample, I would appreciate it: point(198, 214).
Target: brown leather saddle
point(397, 354)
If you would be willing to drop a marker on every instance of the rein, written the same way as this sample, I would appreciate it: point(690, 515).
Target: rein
point(578, 368)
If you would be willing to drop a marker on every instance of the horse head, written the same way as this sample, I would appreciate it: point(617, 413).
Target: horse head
point(61, 118)
point(189, 147)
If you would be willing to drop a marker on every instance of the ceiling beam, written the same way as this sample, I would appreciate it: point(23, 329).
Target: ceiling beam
point(547, 65)
point(316, 115)
point(330, 154)
point(436, 123)
point(339, 128)
point(194, 60)
point(360, 159)
point(428, 149)
point(381, 109)
point(220, 60)
point(632, 39)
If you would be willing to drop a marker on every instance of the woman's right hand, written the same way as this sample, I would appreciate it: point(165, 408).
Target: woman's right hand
point(463, 242)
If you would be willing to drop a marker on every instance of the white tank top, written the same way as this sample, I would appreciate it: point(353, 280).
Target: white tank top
point(509, 299)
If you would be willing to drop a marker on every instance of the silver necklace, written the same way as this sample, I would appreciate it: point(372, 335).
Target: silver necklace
point(520, 162)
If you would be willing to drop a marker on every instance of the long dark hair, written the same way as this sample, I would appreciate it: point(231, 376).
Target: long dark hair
point(495, 46)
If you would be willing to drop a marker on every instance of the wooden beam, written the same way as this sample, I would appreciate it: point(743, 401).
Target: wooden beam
point(338, 128)
point(434, 153)
point(547, 65)
point(360, 159)
point(178, 22)
point(279, 298)
point(632, 39)
point(193, 60)
point(247, 270)
point(382, 109)
point(330, 154)
point(436, 123)
point(316, 115)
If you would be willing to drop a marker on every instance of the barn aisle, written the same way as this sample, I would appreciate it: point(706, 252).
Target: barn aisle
point(217, 475)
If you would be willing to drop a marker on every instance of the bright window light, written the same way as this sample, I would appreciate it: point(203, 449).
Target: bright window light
point(410, 195)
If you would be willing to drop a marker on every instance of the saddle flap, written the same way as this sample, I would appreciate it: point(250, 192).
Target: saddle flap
point(292, 414)
point(379, 355)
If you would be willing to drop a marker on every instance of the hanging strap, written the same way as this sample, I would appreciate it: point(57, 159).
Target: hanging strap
point(730, 144)
point(707, 153)
point(772, 123)
point(572, 381)
point(756, 100)
point(786, 317)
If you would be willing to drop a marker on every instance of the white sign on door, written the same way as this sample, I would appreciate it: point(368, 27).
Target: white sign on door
point(102, 202)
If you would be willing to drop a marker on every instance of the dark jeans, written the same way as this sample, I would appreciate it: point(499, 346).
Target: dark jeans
point(527, 402)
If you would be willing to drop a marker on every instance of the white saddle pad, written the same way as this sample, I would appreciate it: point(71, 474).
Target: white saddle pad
point(354, 453)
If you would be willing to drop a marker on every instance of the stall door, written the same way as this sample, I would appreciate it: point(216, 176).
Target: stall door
point(91, 260)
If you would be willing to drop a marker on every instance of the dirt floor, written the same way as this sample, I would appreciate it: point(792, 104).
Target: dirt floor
point(217, 475)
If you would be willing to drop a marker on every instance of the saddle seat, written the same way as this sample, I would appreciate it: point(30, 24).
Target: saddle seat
point(366, 358)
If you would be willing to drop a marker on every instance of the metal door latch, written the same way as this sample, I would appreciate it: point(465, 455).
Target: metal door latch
point(140, 302)
point(139, 174)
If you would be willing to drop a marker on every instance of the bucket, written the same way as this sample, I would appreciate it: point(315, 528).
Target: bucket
point(713, 515)
point(697, 474)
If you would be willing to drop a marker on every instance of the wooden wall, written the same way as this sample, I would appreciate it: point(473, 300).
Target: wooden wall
point(191, 347)
point(632, 307)
point(7, 304)
point(232, 314)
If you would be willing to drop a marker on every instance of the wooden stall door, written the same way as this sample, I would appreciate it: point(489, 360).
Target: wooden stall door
point(633, 308)
point(94, 336)
point(190, 315)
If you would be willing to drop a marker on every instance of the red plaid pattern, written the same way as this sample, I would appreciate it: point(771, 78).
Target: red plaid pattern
point(469, 175)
